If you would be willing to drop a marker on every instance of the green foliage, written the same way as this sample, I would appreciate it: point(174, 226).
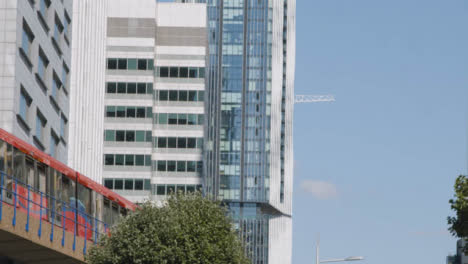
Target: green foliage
point(458, 224)
point(187, 229)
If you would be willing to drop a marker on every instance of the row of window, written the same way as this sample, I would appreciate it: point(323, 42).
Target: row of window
point(130, 64)
point(180, 72)
point(129, 88)
point(178, 119)
point(127, 160)
point(127, 135)
point(181, 95)
point(167, 189)
point(177, 166)
point(177, 142)
point(128, 184)
point(129, 112)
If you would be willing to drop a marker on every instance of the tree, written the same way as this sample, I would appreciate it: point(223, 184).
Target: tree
point(187, 229)
point(458, 224)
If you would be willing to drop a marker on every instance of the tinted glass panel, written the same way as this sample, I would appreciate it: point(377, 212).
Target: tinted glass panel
point(161, 165)
point(172, 119)
point(130, 111)
point(122, 64)
point(183, 72)
point(140, 160)
point(163, 95)
point(173, 72)
point(191, 143)
point(141, 88)
point(111, 64)
point(109, 183)
point(119, 159)
point(172, 95)
point(129, 184)
point(121, 88)
point(172, 142)
point(120, 111)
point(110, 111)
point(142, 64)
point(171, 165)
point(138, 184)
point(130, 136)
point(162, 118)
point(192, 96)
point(161, 190)
point(109, 159)
point(181, 142)
point(191, 166)
point(183, 96)
point(129, 160)
point(131, 88)
point(132, 64)
point(193, 73)
point(140, 136)
point(111, 87)
point(119, 135)
point(141, 112)
point(118, 184)
point(181, 166)
point(163, 72)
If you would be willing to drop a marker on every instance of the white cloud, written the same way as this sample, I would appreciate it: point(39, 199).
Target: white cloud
point(320, 189)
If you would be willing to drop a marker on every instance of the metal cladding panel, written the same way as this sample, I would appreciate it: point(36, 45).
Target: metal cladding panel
point(280, 240)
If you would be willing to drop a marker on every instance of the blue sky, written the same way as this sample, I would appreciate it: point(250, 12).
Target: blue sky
point(384, 156)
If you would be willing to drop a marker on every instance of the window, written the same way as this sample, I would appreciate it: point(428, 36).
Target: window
point(140, 136)
point(118, 184)
point(130, 136)
point(164, 72)
point(112, 64)
point(138, 184)
point(65, 72)
point(128, 184)
point(201, 96)
point(192, 96)
point(121, 88)
point(54, 141)
point(63, 127)
point(173, 95)
point(109, 135)
point(132, 64)
point(24, 105)
point(162, 118)
point(26, 39)
point(109, 183)
point(141, 112)
point(161, 165)
point(119, 159)
point(193, 72)
point(40, 126)
point(161, 189)
point(131, 88)
point(171, 165)
point(131, 112)
point(173, 72)
point(191, 143)
point(141, 88)
point(42, 65)
point(122, 64)
point(55, 85)
point(191, 166)
point(43, 6)
point(162, 142)
point(140, 160)
point(172, 119)
point(120, 111)
point(183, 96)
point(181, 142)
point(142, 64)
point(66, 24)
point(183, 72)
point(111, 87)
point(120, 135)
point(172, 142)
point(147, 183)
point(110, 111)
point(182, 119)
point(58, 29)
point(109, 159)
point(192, 119)
point(129, 160)
point(163, 95)
point(180, 166)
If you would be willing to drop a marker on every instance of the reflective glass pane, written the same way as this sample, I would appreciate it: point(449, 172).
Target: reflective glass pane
point(171, 165)
point(132, 64)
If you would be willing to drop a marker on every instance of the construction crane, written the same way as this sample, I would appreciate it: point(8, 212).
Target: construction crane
point(313, 98)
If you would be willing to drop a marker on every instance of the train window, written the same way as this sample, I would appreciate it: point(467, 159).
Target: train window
point(98, 213)
point(107, 212)
point(18, 165)
point(68, 190)
point(30, 173)
point(41, 171)
point(84, 197)
point(115, 213)
point(55, 188)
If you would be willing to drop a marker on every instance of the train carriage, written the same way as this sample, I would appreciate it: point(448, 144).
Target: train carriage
point(36, 183)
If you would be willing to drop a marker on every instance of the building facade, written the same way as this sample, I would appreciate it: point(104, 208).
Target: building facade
point(250, 87)
point(154, 94)
point(86, 94)
point(35, 61)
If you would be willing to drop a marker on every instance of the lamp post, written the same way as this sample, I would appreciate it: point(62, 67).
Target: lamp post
point(318, 261)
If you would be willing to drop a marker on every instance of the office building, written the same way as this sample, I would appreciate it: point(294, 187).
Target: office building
point(460, 257)
point(86, 120)
point(153, 128)
point(248, 149)
point(35, 61)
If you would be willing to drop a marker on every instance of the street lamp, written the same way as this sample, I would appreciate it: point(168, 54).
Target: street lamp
point(318, 261)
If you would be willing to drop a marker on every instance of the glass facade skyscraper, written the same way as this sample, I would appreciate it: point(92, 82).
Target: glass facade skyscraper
point(248, 151)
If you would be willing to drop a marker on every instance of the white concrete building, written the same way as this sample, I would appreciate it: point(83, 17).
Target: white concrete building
point(35, 61)
point(86, 93)
point(154, 98)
